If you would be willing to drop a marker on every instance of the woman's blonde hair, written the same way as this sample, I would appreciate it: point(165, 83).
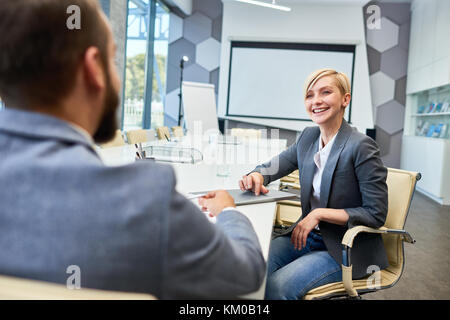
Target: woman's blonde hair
point(340, 79)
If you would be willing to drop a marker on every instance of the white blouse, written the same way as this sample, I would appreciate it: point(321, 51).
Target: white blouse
point(320, 159)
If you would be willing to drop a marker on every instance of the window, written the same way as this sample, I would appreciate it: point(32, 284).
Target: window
point(146, 58)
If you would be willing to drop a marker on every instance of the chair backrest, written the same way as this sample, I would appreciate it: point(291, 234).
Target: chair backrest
point(163, 133)
point(117, 141)
point(177, 131)
point(151, 135)
point(137, 136)
point(246, 133)
point(12, 288)
point(401, 185)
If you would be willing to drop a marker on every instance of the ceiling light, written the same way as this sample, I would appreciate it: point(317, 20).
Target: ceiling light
point(272, 5)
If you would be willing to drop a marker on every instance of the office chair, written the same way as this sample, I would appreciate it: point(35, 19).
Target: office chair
point(117, 141)
point(291, 181)
point(12, 288)
point(401, 186)
point(140, 136)
point(163, 133)
point(246, 133)
point(287, 213)
point(177, 131)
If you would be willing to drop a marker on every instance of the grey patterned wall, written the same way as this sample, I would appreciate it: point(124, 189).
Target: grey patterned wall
point(197, 36)
point(387, 51)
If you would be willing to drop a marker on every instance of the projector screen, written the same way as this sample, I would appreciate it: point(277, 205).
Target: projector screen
point(266, 79)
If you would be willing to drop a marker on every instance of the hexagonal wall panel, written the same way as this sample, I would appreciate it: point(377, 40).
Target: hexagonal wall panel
point(197, 27)
point(374, 59)
point(196, 73)
point(211, 8)
point(394, 62)
point(390, 117)
point(400, 91)
point(384, 38)
point(171, 108)
point(216, 32)
point(382, 88)
point(178, 49)
point(214, 79)
point(383, 141)
point(403, 36)
point(392, 159)
point(398, 13)
point(175, 28)
point(173, 77)
point(208, 54)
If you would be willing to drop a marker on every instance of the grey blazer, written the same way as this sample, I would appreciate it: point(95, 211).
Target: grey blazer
point(125, 227)
point(354, 179)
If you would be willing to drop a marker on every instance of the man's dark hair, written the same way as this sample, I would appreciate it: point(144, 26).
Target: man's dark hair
point(39, 54)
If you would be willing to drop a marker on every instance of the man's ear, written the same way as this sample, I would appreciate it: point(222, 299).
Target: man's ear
point(92, 67)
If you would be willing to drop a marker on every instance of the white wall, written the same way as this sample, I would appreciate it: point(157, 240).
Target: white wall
point(308, 23)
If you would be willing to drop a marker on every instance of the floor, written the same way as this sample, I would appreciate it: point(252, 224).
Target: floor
point(427, 262)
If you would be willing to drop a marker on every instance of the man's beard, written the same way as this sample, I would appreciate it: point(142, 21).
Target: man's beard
point(108, 125)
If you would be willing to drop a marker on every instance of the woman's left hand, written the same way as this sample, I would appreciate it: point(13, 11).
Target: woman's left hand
point(303, 228)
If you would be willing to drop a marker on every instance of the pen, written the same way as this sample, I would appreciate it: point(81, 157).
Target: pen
point(195, 196)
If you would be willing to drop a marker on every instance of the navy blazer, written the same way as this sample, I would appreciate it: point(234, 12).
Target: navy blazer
point(354, 179)
point(125, 227)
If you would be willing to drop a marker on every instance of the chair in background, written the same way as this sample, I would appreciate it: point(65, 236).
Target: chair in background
point(287, 213)
point(246, 133)
point(177, 131)
point(12, 288)
point(401, 186)
point(290, 181)
point(140, 136)
point(163, 133)
point(117, 141)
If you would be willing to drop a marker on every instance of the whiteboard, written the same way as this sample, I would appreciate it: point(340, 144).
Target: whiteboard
point(200, 111)
point(266, 79)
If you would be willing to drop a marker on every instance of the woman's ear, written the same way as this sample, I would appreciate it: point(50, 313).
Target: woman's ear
point(346, 100)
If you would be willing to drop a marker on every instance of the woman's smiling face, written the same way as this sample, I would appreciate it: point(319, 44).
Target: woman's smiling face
point(324, 101)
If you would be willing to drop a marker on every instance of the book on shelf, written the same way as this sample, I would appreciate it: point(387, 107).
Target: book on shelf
point(420, 109)
point(443, 133)
point(424, 129)
point(437, 130)
point(439, 107)
point(445, 107)
point(431, 131)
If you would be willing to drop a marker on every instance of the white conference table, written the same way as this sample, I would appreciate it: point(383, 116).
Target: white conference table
point(221, 168)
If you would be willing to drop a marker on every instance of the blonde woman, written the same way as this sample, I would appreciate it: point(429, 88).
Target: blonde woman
point(343, 184)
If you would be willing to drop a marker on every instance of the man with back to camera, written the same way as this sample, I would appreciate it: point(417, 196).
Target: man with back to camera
point(126, 228)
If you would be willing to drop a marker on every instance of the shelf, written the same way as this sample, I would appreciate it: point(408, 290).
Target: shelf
point(430, 114)
point(427, 138)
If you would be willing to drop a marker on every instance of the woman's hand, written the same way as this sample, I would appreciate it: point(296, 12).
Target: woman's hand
point(216, 201)
point(303, 228)
point(254, 181)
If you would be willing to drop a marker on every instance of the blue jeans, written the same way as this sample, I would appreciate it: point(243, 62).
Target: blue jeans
point(292, 273)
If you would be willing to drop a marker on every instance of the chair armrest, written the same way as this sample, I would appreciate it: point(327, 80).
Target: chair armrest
point(350, 235)
point(347, 243)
